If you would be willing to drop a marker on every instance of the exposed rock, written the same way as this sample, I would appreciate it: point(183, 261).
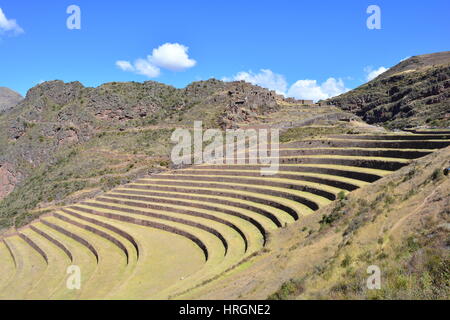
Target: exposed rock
point(68, 136)
point(55, 115)
point(8, 99)
point(415, 92)
point(8, 179)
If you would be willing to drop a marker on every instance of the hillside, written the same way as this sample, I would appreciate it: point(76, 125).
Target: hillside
point(221, 231)
point(416, 92)
point(86, 180)
point(399, 223)
point(8, 99)
point(64, 142)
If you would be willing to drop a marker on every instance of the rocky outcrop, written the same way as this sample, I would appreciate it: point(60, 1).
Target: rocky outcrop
point(244, 102)
point(416, 92)
point(8, 99)
point(8, 179)
point(55, 116)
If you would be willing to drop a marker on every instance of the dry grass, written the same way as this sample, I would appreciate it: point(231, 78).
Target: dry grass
point(397, 223)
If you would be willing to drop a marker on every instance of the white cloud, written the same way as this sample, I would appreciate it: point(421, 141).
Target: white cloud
point(301, 89)
point(145, 68)
point(125, 65)
point(141, 66)
point(373, 73)
point(334, 87)
point(171, 56)
point(265, 78)
point(9, 25)
point(311, 90)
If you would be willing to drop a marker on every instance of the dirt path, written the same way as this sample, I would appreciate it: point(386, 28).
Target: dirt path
point(404, 218)
point(145, 128)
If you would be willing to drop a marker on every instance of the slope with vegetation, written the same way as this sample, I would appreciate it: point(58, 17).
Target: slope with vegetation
point(416, 92)
point(65, 142)
point(183, 233)
point(86, 181)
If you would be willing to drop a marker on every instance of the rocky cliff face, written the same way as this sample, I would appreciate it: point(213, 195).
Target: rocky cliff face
point(8, 99)
point(57, 116)
point(238, 102)
point(415, 92)
point(8, 179)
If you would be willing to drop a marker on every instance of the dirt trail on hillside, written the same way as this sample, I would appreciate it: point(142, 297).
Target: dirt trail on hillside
point(404, 218)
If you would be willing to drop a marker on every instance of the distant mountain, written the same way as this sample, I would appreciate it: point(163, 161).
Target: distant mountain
point(8, 99)
point(415, 92)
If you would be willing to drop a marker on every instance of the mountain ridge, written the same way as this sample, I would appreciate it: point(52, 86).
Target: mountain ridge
point(94, 138)
point(415, 92)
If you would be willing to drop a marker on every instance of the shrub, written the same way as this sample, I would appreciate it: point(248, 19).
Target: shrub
point(109, 183)
point(437, 175)
point(289, 289)
point(346, 261)
point(334, 215)
point(412, 244)
point(164, 163)
point(341, 195)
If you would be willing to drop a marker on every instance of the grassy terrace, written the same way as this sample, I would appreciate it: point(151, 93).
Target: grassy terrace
point(111, 263)
point(292, 208)
point(284, 214)
point(171, 263)
point(429, 131)
point(393, 136)
point(55, 274)
point(272, 215)
point(247, 231)
point(217, 253)
point(317, 189)
point(365, 143)
point(82, 257)
point(154, 220)
point(321, 179)
point(229, 238)
point(30, 267)
point(163, 235)
point(304, 149)
point(373, 152)
point(382, 163)
point(327, 156)
point(8, 265)
point(299, 167)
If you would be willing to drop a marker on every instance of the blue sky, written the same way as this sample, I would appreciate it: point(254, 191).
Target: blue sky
point(272, 43)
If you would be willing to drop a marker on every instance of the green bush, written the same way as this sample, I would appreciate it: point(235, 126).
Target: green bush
point(341, 195)
point(289, 289)
point(346, 261)
point(437, 175)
